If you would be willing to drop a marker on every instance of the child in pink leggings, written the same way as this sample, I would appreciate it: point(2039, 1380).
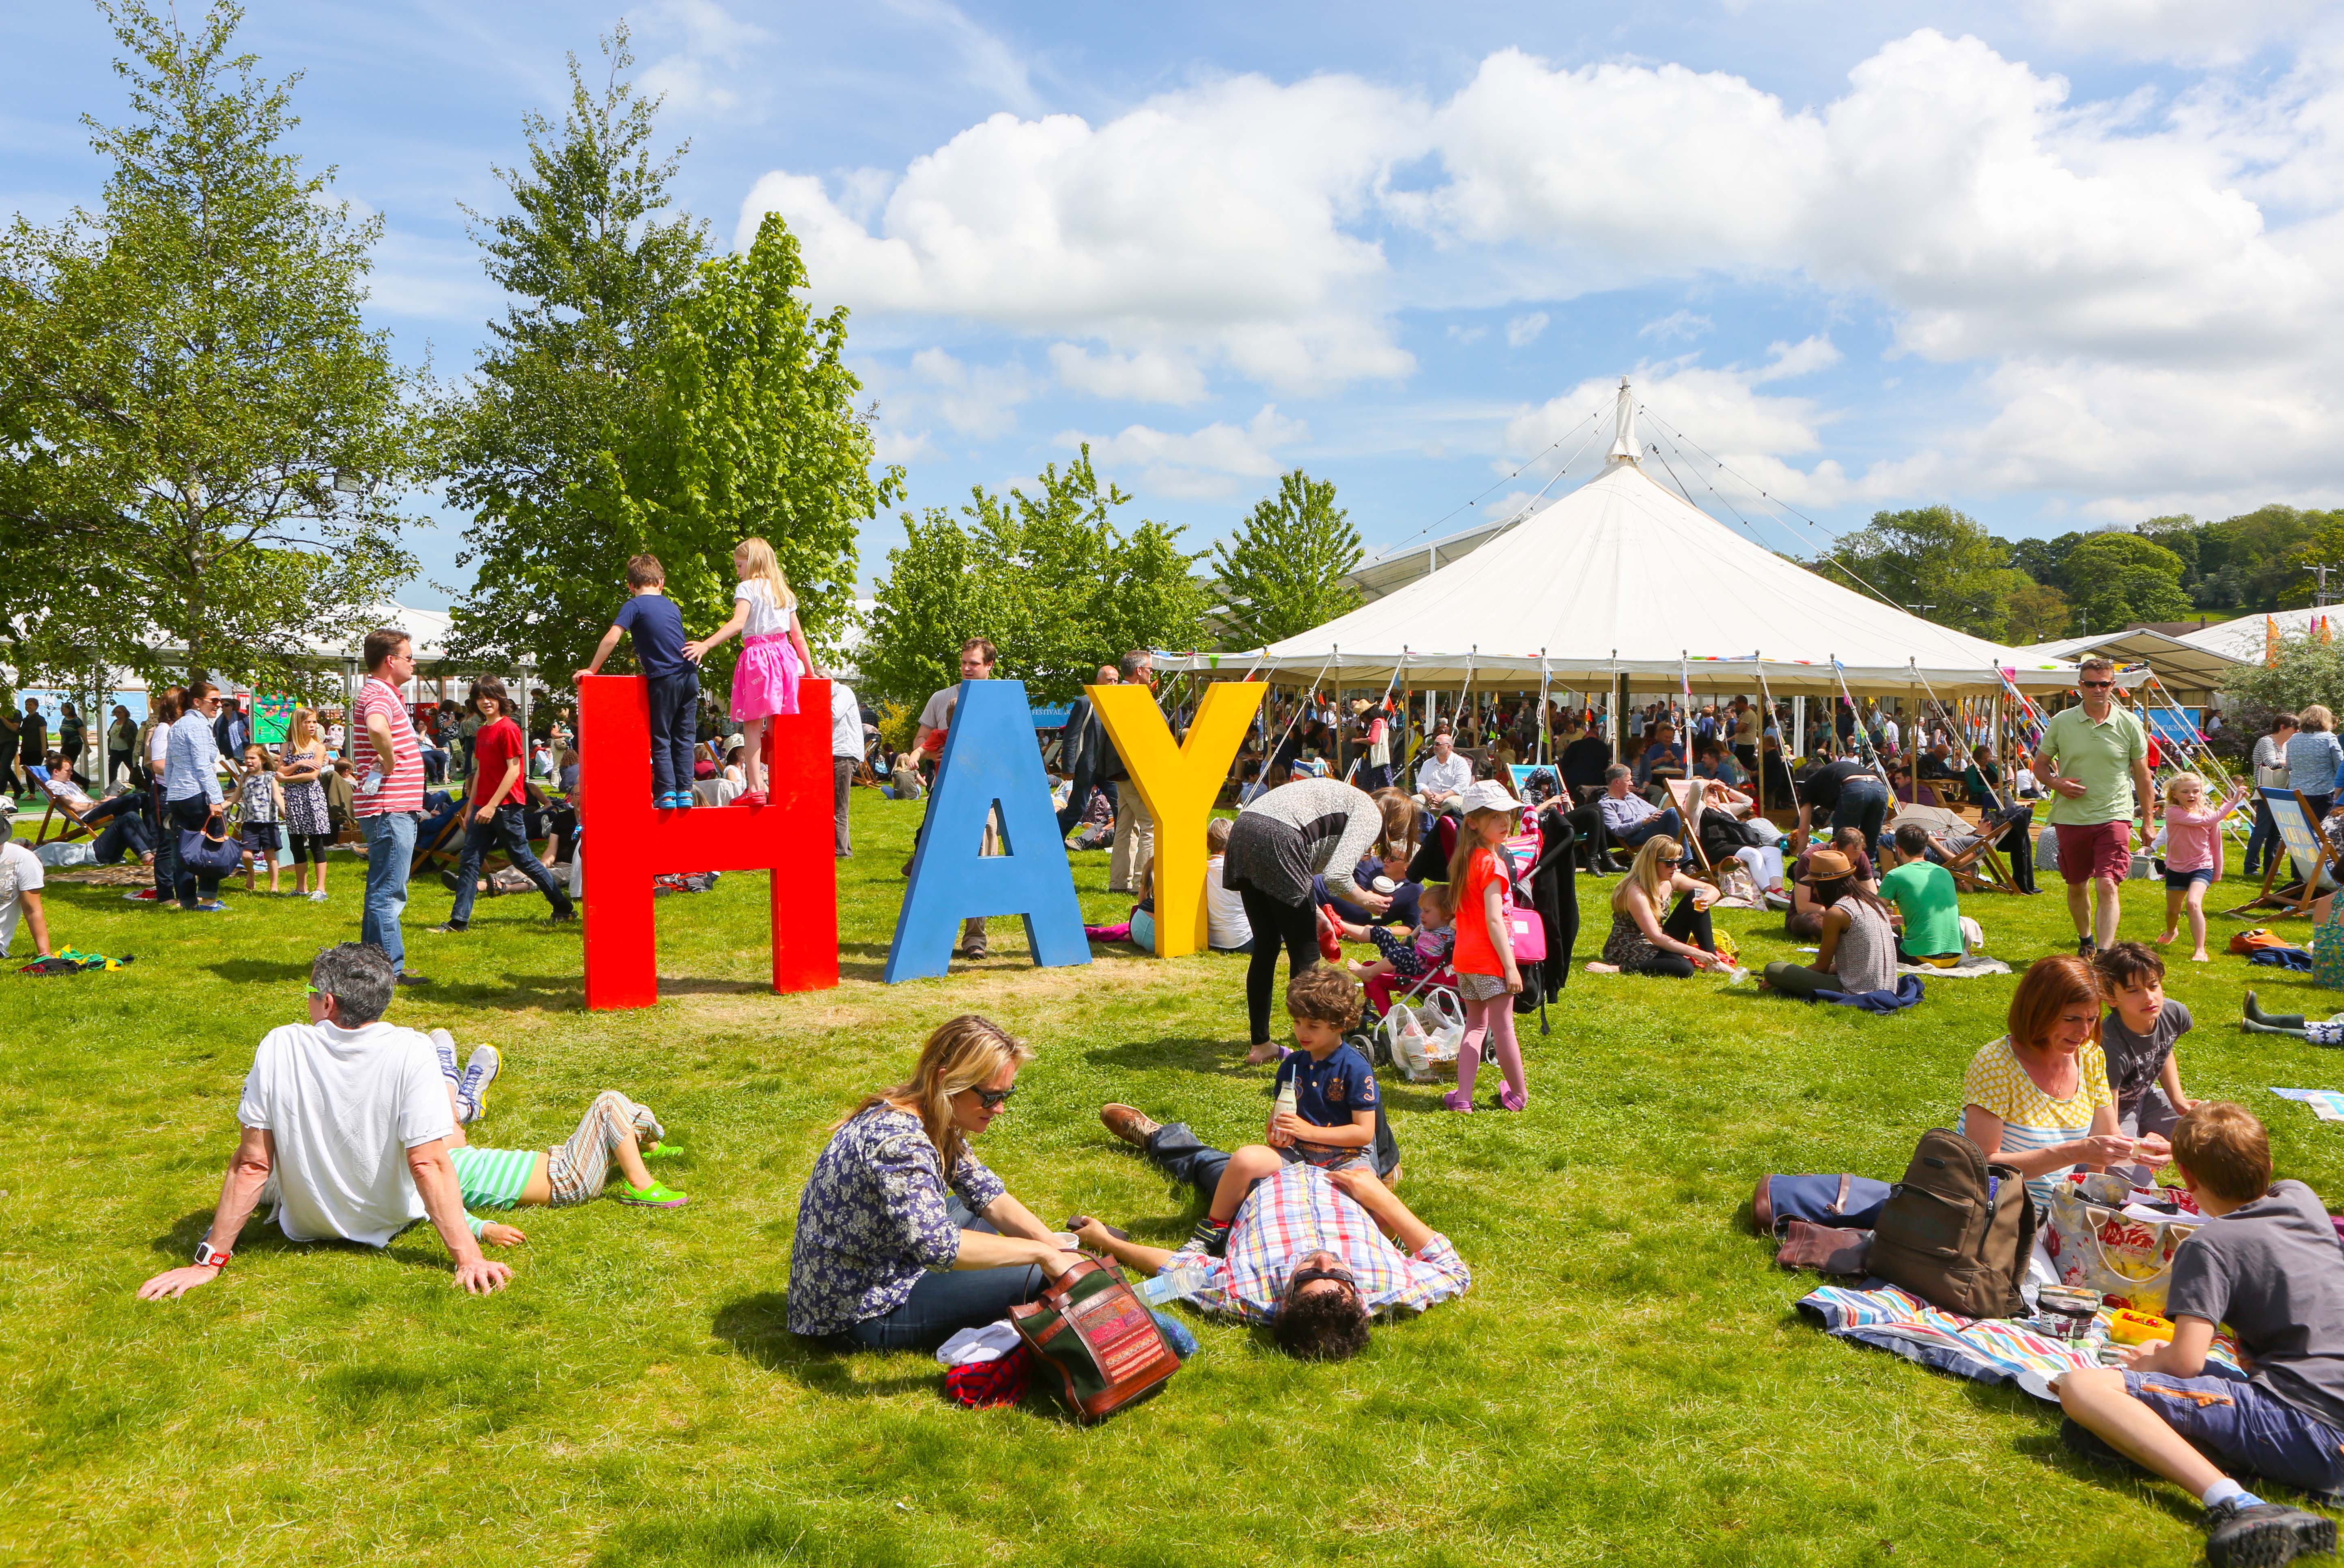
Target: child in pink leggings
point(1487, 975)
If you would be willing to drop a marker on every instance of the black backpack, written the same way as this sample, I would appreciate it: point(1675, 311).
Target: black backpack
point(1957, 1231)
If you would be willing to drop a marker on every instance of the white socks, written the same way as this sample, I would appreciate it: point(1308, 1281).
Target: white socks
point(2228, 1490)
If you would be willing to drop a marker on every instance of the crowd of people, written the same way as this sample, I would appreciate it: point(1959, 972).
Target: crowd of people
point(356, 1128)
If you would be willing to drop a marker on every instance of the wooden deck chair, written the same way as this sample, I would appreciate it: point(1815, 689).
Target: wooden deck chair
point(1978, 866)
point(69, 803)
point(1680, 796)
point(2318, 865)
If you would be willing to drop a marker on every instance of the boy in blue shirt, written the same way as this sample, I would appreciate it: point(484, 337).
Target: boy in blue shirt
point(1336, 1109)
point(652, 619)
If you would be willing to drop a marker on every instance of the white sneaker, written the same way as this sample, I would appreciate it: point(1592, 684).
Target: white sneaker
point(319, 896)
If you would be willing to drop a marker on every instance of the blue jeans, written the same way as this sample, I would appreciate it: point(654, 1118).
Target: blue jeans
point(2264, 840)
point(504, 831)
point(189, 887)
point(940, 1305)
point(390, 847)
point(1863, 804)
point(675, 700)
point(1667, 822)
point(166, 852)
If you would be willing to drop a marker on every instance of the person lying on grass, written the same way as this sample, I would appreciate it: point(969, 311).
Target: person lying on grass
point(614, 1130)
point(349, 1119)
point(2266, 1263)
point(1306, 1252)
point(1336, 1105)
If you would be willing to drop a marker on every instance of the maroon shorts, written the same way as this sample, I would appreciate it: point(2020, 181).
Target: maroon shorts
point(2102, 849)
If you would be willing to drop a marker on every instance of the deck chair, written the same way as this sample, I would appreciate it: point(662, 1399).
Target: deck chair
point(2316, 864)
point(67, 802)
point(1977, 866)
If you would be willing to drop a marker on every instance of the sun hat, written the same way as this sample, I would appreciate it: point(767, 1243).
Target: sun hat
point(736, 739)
point(1488, 795)
point(1826, 866)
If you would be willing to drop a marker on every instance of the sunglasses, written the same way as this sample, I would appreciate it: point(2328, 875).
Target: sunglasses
point(1302, 1277)
point(2098, 683)
point(994, 1099)
point(1670, 859)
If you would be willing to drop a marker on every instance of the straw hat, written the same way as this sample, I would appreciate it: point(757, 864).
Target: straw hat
point(1826, 866)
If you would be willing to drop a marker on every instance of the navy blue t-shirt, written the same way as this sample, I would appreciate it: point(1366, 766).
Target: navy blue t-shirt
point(657, 626)
point(1327, 1094)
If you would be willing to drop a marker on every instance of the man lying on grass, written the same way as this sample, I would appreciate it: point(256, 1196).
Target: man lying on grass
point(348, 1120)
point(1306, 1252)
point(2266, 1263)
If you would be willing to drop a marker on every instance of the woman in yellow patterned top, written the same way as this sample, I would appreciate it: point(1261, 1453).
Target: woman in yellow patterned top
point(2038, 1099)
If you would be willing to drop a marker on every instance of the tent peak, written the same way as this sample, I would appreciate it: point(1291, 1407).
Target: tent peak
point(1626, 448)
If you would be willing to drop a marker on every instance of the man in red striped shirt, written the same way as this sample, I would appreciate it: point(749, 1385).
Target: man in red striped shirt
point(387, 798)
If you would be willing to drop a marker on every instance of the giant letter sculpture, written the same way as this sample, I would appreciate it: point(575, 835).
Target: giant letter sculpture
point(1178, 784)
point(627, 842)
point(991, 760)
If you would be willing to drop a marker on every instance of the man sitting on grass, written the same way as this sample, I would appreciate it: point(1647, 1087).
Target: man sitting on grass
point(1307, 1252)
point(346, 1124)
point(2267, 1263)
point(1928, 905)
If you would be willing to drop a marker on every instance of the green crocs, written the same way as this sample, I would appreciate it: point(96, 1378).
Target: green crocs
point(658, 1195)
point(664, 1151)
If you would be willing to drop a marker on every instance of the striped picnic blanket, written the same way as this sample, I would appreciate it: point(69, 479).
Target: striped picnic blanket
point(1984, 1349)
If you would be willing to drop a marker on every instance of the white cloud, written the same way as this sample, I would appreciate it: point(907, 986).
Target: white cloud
point(1219, 221)
point(1149, 376)
point(1459, 333)
point(713, 51)
point(974, 400)
point(2176, 29)
point(986, 62)
point(893, 446)
point(1524, 330)
point(1205, 464)
point(1675, 325)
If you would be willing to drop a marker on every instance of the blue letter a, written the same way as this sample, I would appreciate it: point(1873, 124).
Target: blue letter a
point(991, 760)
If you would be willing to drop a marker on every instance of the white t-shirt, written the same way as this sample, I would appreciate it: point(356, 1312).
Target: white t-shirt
point(344, 1107)
point(158, 747)
point(845, 720)
point(766, 617)
point(1226, 924)
point(18, 865)
point(1450, 776)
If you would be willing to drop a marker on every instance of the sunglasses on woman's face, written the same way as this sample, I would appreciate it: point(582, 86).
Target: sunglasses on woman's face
point(994, 1099)
point(1670, 859)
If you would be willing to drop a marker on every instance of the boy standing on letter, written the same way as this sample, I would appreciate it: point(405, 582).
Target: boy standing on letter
point(652, 619)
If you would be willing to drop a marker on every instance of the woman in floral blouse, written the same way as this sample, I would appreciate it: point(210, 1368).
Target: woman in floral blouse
point(891, 1252)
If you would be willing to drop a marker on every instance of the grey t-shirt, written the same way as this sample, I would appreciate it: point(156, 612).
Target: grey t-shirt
point(2274, 1272)
point(932, 716)
point(2135, 1060)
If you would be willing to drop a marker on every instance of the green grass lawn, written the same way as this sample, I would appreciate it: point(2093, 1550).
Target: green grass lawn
point(1626, 1382)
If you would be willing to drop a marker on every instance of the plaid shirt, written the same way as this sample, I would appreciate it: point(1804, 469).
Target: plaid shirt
point(1298, 1210)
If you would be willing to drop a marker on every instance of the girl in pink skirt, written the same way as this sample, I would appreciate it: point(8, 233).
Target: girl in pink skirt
point(773, 653)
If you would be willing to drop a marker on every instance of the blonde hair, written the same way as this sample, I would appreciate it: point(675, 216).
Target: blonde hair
point(1439, 893)
point(760, 564)
point(1216, 834)
point(1646, 874)
point(1468, 839)
point(304, 726)
point(2173, 786)
point(963, 1053)
point(2315, 717)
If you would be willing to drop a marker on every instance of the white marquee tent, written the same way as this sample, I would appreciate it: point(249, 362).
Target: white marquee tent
point(1622, 578)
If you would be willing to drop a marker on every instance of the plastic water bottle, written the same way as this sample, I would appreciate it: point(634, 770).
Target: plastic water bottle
point(1176, 1283)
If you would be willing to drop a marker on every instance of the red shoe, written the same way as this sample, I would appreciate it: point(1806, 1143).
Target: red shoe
point(749, 797)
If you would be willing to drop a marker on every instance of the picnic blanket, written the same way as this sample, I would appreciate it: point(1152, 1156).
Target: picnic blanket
point(1983, 1349)
point(2326, 1104)
point(1971, 966)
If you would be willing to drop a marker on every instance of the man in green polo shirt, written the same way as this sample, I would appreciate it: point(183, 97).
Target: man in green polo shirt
point(2095, 760)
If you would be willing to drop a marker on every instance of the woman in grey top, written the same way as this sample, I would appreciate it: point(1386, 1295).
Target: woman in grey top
point(1277, 844)
point(1859, 946)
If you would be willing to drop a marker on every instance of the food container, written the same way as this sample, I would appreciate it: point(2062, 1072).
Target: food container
point(2063, 1313)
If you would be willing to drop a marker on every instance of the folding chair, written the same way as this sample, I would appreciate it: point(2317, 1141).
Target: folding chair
point(1977, 866)
point(65, 801)
point(2318, 864)
point(1681, 794)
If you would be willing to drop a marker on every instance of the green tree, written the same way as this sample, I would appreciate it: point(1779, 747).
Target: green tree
point(2037, 612)
point(752, 430)
point(1049, 576)
point(201, 438)
point(2307, 671)
point(1283, 572)
point(594, 263)
point(1935, 562)
point(2117, 579)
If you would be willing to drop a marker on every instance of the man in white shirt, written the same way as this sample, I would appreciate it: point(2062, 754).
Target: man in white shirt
point(845, 756)
point(1442, 777)
point(347, 1121)
point(21, 879)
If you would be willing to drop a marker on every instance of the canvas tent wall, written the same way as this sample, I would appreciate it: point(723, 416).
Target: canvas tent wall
point(1623, 577)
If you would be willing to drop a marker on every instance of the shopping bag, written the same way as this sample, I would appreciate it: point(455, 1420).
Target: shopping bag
point(1403, 1043)
point(2127, 1258)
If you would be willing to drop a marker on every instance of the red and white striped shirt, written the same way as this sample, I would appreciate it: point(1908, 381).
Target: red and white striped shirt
point(403, 787)
point(1298, 1210)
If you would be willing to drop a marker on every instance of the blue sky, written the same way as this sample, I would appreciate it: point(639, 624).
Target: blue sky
point(2063, 264)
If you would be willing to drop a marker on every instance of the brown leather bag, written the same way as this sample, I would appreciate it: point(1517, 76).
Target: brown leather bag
point(1092, 1330)
point(1825, 1249)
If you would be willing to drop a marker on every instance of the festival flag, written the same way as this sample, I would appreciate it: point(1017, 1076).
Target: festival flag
point(2270, 642)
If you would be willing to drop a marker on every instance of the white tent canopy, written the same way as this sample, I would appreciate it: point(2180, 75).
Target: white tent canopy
point(1622, 577)
point(2246, 639)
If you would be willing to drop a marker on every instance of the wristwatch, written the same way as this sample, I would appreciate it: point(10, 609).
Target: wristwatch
point(210, 1256)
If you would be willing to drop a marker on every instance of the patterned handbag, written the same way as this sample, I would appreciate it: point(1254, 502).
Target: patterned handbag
point(1091, 1329)
point(2328, 949)
point(2096, 1246)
